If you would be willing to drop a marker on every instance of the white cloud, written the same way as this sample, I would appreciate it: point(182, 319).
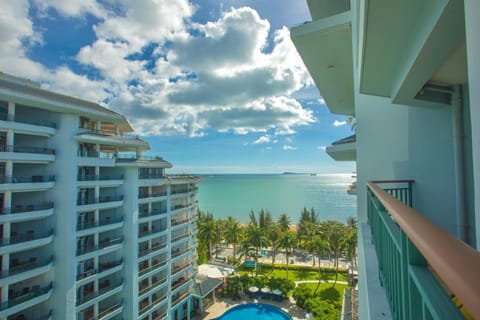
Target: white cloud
point(223, 75)
point(262, 139)
point(337, 123)
point(322, 148)
point(288, 147)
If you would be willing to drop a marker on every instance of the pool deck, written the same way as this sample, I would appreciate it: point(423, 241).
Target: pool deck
point(223, 304)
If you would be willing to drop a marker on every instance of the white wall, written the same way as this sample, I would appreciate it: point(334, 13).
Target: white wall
point(402, 142)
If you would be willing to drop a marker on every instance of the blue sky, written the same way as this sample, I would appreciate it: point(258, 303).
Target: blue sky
point(213, 86)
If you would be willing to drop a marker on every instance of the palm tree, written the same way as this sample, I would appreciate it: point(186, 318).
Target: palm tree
point(350, 239)
point(288, 241)
point(273, 237)
point(334, 232)
point(256, 238)
point(207, 232)
point(284, 222)
point(218, 235)
point(317, 245)
point(265, 219)
point(232, 230)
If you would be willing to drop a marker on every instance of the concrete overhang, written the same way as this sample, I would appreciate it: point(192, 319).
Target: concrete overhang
point(344, 149)
point(325, 46)
point(409, 45)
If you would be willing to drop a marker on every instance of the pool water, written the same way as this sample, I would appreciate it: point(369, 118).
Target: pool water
point(255, 311)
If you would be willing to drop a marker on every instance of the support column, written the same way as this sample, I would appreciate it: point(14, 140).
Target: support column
point(472, 25)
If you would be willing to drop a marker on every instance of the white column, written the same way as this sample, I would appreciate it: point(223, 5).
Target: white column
point(472, 25)
point(11, 111)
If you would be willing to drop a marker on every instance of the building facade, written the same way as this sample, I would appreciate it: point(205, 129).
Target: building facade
point(408, 71)
point(90, 228)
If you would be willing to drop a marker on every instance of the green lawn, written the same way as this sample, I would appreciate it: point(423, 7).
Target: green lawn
point(294, 274)
point(335, 293)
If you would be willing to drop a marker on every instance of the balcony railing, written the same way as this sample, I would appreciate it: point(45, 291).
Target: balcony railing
point(42, 123)
point(95, 154)
point(427, 273)
point(111, 134)
point(178, 298)
point(105, 199)
point(22, 149)
point(150, 176)
point(30, 179)
point(108, 310)
point(99, 177)
point(143, 195)
point(29, 236)
point(154, 212)
point(146, 288)
point(147, 307)
point(26, 266)
point(147, 232)
point(101, 223)
point(102, 290)
point(27, 208)
point(101, 245)
point(176, 269)
point(151, 268)
point(102, 267)
point(25, 295)
point(144, 252)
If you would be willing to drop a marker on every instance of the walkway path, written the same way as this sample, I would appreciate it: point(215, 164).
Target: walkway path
point(316, 281)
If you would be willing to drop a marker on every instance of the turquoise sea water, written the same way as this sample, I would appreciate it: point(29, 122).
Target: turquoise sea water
point(237, 194)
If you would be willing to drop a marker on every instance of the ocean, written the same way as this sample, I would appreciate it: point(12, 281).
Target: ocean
point(237, 194)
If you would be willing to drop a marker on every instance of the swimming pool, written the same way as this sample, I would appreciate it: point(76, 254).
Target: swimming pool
point(255, 311)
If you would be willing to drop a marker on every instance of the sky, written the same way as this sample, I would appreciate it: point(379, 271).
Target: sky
point(215, 86)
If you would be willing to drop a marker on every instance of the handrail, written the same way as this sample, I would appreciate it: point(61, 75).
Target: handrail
point(454, 262)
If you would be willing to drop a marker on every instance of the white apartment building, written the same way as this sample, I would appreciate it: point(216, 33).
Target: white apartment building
point(90, 229)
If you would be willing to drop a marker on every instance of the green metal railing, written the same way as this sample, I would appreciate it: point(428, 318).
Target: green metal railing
point(413, 289)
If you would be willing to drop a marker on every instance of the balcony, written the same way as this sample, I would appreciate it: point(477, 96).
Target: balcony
point(331, 67)
point(183, 236)
point(179, 282)
point(108, 312)
point(29, 240)
point(155, 248)
point(26, 298)
point(103, 292)
point(94, 158)
point(144, 195)
point(27, 154)
point(426, 272)
point(152, 213)
point(20, 213)
point(30, 126)
point(143, 290)
point(110, 139)
point(102, 270)
point(102, 246)
point(150, 176)
point(20, 271)
point(155, 267)
point(104, 202)
point(152, 232)
point(99, 180)
point(178, 208)
point(155, 304)
point(344, 149)
point(177, 269)
point(103, 225)
point(29, 183)
point(179, 297)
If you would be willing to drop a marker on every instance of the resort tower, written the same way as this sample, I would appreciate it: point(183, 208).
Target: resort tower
point(90, 228)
